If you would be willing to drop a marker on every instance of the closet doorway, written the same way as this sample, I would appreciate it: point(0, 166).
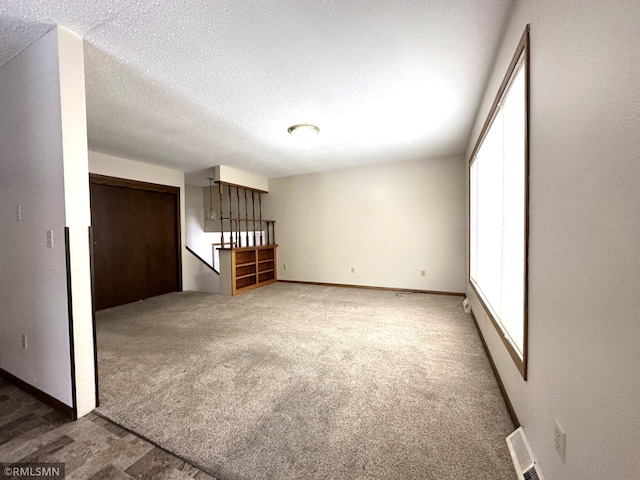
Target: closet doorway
point(136, 240)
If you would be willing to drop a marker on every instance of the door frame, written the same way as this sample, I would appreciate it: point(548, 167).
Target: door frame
point(97, 179)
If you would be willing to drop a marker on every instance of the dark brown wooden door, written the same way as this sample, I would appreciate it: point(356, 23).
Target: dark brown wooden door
point(136, 241)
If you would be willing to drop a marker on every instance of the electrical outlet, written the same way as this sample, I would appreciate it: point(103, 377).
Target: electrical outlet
point(423, 273)
point(24, 341)
point(284, 265)
point(18, 213)
point(353, 270)
point(560, 441)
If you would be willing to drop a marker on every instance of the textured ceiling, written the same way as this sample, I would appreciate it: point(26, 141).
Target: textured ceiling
point(192, 84)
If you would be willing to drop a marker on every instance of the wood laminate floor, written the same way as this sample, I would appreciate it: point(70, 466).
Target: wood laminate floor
point(91, 447)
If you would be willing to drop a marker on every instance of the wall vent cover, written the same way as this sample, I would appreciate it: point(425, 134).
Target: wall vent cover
point(522, 456)
point(531, 474)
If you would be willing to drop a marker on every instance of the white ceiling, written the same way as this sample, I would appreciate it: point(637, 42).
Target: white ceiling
point(191, 84)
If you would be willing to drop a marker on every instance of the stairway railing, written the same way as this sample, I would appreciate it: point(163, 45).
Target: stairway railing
point(243, 221)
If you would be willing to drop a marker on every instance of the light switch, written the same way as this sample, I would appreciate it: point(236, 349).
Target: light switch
point(49, 238)
point(18, 213)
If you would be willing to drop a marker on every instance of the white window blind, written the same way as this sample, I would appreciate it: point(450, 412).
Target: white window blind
point(497, 227)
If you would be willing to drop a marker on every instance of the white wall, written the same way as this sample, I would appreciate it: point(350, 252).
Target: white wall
point(584, 260)
point(234, 176)
point(387, 221)
point(103, 164)
point(199, 241)
point(43, 149)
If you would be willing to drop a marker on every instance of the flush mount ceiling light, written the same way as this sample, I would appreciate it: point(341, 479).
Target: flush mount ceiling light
point(303, 131)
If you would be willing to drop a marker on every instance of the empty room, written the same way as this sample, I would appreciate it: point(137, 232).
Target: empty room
point(320, 239)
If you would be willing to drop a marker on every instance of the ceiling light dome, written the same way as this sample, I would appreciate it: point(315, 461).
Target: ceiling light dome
point(303, 131)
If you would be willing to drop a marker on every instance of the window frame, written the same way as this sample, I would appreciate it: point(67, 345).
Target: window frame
point(522, 51)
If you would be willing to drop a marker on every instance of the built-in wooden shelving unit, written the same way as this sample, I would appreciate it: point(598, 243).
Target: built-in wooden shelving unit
point(246, 268)
point(248, 258)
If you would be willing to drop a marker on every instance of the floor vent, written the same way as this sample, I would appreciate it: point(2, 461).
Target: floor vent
point(522, 455)
point(531, 474)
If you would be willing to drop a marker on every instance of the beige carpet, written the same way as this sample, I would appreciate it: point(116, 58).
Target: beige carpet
point(307, 382)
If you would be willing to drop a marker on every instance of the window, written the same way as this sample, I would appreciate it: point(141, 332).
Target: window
point(498, 193)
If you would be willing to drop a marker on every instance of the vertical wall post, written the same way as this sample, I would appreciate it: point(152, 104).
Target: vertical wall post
point(246, 216)
point(230, 217)
point(253, 215)
point(220, 189)
point(238, 237)
point(260, 210)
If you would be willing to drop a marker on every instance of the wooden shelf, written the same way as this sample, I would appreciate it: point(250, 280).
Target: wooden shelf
point(247, 268)
point(239, 277)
